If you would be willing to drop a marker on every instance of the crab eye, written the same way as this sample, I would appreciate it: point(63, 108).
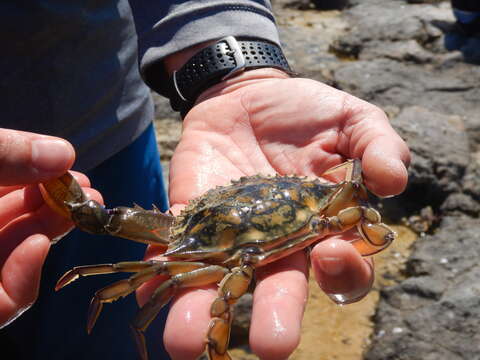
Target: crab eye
point(191, 242)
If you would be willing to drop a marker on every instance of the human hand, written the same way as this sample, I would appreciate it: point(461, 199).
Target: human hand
point(26, 224)
point(264, 122)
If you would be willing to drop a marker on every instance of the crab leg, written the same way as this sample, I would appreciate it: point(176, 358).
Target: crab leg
point(162, 295)
point(65, 196)
point(87, 270)
point(124, 287)
point(352, 167)
point(174, 267)
point(375, 236)
point(232, 288)
point(352, 192)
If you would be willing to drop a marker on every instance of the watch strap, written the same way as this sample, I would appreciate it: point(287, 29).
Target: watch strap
point(220, 61)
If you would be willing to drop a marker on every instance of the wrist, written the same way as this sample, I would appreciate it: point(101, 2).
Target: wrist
point(198, 69)
point(241, 80)
point(175, 61)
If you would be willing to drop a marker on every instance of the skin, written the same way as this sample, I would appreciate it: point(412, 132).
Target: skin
point(26, 223)
point(264, 122)
point(258, 122)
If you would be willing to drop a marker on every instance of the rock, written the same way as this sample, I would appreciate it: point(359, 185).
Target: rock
point(168, 128)
point(434, 165)
point(436, 171)
point(369, 79)
point(471, 180)
point(461, 203)
point(389, 20)
point(425, 1)
point(330, 4)
point(408, 50)
point(163, 109)
point(435, 313)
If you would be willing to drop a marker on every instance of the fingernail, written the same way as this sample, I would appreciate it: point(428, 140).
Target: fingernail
point(332, 266)
point(51, 155)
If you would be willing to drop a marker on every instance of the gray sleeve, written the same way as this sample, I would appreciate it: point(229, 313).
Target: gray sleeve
point(166, 26)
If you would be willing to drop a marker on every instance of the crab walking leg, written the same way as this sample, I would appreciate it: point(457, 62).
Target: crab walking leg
point(146, 270)
point(174, 267)
point(208, 275)
point(352, 167)
point(232, 288)
point(87, 270)
point(352, 192)
point(65, 196)
point(375, 236)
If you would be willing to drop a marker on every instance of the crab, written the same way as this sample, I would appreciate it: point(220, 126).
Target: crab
point(220, 237)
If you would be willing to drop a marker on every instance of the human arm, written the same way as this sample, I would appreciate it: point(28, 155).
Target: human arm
point(264, 122)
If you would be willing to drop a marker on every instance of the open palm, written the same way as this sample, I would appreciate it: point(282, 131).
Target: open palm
point(264, 123)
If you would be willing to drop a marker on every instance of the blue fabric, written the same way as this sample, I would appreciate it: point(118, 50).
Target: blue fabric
point(454, 40)
point(465, 17)
point(76, 63)
point(54, 328)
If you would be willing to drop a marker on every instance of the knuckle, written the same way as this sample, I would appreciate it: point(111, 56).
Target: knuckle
point(15, 152)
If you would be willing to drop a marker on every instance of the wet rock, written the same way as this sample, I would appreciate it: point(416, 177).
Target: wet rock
point(471, 180)
point(434, 164)
point(163, 109)
point(435, 315)
point(392, 21)
point(168, 128)
point(406, 35)
point(425, 1)
point(463, 203)
point(370, 79)
point(330, 4)
point(409, 50)
point(436, 171)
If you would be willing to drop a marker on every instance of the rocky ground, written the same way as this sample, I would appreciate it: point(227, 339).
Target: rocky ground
point(390, 52)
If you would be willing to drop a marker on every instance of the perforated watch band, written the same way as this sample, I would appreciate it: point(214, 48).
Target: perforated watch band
point(220, 61)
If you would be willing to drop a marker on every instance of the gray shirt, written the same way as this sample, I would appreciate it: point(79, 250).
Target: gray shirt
point(70, 69)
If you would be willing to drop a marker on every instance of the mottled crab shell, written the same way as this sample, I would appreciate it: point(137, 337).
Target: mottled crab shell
point(253, 211)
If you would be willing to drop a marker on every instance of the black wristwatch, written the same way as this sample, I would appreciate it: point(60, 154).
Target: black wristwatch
point(217, 62)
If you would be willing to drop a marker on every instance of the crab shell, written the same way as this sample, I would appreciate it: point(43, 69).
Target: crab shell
point(257, 212)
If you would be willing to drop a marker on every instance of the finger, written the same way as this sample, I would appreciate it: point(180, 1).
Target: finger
point(26, 158)
point(384, 165)
point(21, 276)
point(340, 270)
point(19, 202)
point(29, 198)
point(81, 178)
point(8, 189)
point(278, 305)
point(367, 134)
point(189, 315)
point(41, 221)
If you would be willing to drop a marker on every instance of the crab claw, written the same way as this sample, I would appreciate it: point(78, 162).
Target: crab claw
point(60, 192)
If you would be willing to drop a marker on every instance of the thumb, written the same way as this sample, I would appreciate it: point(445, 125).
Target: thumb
point(28, 158)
